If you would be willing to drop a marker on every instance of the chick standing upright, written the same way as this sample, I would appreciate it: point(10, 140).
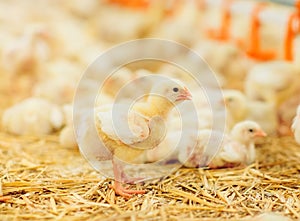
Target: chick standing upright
point(146, 122)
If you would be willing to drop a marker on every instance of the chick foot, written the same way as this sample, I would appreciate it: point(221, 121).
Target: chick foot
point(124, 191)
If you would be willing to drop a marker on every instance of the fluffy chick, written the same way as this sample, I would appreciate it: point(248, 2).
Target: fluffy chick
point(236, 106)
point(147, 127)
point(24, 54)
point(239, 108)
point(230, 61)
point(217, 149)
point(61, 75)
point(32, 116)
point(240, 147)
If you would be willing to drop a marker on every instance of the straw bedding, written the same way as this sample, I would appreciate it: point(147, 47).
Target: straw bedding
point(41, 180)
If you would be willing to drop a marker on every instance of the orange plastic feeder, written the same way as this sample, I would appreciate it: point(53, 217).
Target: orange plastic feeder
point(291, 33)
point(174, 8)
point(255, 47)
point(223, 32)
point(137, 4)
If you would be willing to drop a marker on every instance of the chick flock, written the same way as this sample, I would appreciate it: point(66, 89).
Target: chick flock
point(43, 59)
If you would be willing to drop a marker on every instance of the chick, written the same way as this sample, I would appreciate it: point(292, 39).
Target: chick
point(240, 147)
point(146, 121)
point(236, 105)
point(61, 75)
point(272, 82)
point(32, 116)
point(296, 125)
point(239, 108)
point(25, 54)
point(216, 149)
point(270, 216)
point(116, 81)
point(125, 83)
point(230, 61)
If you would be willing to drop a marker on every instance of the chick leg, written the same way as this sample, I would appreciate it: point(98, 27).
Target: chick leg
point(117, 186)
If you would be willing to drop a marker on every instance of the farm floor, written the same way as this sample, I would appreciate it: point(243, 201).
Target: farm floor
point(42, 181)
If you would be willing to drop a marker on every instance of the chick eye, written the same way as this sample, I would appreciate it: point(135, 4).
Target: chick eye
point(175, 89)
point(251, 130)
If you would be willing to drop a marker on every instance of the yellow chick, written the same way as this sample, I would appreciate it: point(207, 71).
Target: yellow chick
point(139, 129)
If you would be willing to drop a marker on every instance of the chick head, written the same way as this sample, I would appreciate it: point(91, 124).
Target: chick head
point(235, 103)
point(171, 90)
point(247, 131)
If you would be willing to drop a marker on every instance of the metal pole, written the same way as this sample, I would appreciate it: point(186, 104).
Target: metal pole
point(282, 2)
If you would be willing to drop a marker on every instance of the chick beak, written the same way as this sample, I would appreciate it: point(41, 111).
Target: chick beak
point(260, 133)
point(184, 95)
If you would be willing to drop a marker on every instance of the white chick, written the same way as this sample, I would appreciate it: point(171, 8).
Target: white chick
point(113, 84)
point(296, 125)
point(125, 83)
point(236, 106)
point(240, 148)
point(32, 116)
point(265, 114)
point(63, 76)
point(176, 124)
point(200, 147)
point(67, 135)
point(26, 53)
point(240, 108)
point(90, 53)
point(272, 82)
point(230, 61)
point(225, 150)
point(83, 8)
point(269, 217)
